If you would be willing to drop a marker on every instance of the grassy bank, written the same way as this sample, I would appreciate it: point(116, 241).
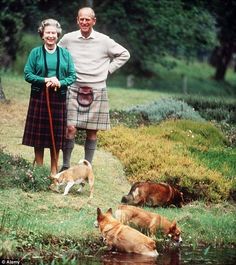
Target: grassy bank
point(38, 224)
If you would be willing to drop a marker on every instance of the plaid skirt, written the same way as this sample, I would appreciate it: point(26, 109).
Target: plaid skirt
point(94, 117)
point(37, 127)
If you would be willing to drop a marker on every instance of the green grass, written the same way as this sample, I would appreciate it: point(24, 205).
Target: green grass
point(45, 226)
point(15, 87)
point(199, 79)
point(122, 98)
point(222, 160)
point(171, 82)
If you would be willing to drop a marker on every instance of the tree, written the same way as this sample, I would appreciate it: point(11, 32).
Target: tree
point(222, 54)
point(2, 95)
point(11, 25)
point(152, 29)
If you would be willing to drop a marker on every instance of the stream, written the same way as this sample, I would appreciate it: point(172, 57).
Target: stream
point(183, 256)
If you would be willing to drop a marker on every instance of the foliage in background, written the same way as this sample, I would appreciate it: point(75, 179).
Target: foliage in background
point(223, 54)
point(161, 153)
point(11, 25)
point(218, 109)
point(180, 28)
point(186, 78)
point(151, 29)
point(154, 112)
point(27, 43)
point(222, 111)
point(165, 108)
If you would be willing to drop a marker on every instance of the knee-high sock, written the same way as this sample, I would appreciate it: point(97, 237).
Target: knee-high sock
point(67, 150)
point(89, 149)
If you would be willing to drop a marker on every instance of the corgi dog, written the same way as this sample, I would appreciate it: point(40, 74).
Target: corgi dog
point(77, 174)
point(123, 238)
point(141, 218)
point(153, 194)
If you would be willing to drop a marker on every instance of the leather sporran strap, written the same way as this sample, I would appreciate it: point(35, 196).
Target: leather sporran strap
point(85, 96)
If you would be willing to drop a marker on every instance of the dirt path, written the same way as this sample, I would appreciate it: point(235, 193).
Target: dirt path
point(108, 170)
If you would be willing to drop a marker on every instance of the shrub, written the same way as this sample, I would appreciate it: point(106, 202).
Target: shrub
point(199, 134)
point(166, 108)
point(214, 108)
point(127, 118)
point(230, 132)
point(17, 172)
point(161, 153)
point(153, 113)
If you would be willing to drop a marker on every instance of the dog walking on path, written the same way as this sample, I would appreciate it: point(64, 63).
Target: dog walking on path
point(74, 175)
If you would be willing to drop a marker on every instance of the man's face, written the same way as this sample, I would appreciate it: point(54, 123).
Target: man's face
point(85, 22)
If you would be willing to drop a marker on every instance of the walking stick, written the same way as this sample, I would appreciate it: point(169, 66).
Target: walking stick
point(51, 126)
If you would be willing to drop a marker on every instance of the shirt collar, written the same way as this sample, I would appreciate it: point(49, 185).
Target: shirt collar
point(91, 36)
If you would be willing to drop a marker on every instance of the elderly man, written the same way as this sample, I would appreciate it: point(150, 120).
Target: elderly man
point(95, 55)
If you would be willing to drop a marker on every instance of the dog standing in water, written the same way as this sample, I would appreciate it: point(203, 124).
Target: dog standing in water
point(122, 237)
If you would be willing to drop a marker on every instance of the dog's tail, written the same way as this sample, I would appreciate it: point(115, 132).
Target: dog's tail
point(85, 162)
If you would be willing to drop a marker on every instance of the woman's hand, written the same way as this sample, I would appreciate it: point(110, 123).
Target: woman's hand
point(52, 82)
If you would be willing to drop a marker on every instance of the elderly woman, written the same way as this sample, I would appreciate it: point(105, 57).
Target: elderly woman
point(49, 67)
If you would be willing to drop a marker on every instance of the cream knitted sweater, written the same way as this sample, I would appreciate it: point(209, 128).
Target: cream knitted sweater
point(94, 57)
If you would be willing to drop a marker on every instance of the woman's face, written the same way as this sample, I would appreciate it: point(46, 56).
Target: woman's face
point(50, 36)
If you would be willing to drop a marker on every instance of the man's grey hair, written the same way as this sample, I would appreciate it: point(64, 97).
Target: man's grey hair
point(90, 10)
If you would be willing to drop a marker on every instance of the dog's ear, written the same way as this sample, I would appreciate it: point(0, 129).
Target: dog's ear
point(109, 211)
point(173, 226)
point(99, 212)
point(99, 215)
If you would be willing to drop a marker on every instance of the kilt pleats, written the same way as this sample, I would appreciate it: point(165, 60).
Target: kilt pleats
point(94, 117)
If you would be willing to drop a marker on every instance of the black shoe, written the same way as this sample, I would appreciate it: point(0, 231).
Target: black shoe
point(63, 168)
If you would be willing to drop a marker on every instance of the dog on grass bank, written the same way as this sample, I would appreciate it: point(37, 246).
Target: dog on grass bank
point(122, 237)
point(141, 218)
point(78, 174)
point(153, 194)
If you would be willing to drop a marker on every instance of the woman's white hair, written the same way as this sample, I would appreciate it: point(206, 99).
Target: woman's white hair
point(49, 22)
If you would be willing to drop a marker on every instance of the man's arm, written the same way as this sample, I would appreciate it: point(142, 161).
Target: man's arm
point(118, 54)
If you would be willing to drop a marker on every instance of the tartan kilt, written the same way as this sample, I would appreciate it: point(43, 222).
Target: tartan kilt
point(37, 127)
point(94, 117)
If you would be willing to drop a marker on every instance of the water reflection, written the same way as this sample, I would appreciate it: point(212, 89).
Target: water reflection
point(183, 256)
point(166, 258)
point(117, 259)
